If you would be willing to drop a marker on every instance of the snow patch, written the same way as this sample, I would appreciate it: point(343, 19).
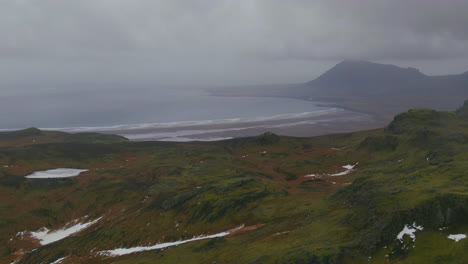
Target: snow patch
point(126, 251)
point(457, 237)
point(409, 230)
point(46, 236)
point(338, 148)
point(349, 168)
point(55, 173)
point(22, 234)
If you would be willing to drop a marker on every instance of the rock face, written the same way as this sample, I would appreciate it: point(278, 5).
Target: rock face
point(445, 210)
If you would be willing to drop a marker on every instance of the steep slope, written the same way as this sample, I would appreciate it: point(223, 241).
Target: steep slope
point(391, 195)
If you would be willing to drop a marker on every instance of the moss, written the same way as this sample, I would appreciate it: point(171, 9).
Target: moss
point(267, 138)
point(379, 143)
point(20, 134)
point(6, 222)
point(426, 138)
point(414, 171)
point(210, 210)
point(302, 256)
point(9, 180)
point(411, 120)
point(167, 201)
point(211, 244)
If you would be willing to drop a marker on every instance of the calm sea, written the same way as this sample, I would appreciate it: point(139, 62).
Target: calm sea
point(107, 108)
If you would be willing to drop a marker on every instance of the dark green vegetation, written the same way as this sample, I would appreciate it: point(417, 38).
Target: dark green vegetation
point(462, 112)
point(33, 135)
point(414, 170)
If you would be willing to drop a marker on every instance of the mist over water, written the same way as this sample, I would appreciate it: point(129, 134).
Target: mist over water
point(121, 107)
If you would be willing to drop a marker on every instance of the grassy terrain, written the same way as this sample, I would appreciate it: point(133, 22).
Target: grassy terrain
point(414, 170)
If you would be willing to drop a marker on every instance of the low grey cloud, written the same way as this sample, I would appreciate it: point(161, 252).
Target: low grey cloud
point(212, 42)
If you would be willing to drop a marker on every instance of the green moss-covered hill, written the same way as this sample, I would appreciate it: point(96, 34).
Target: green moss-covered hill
point(32, 136)
point(413, 171)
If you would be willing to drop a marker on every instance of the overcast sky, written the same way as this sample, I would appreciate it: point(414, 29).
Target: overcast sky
point(92, 43)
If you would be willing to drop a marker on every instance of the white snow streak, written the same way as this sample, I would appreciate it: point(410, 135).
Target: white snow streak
point(58, 260)
point(126, 251)
point(46, 236)
point(349, 168)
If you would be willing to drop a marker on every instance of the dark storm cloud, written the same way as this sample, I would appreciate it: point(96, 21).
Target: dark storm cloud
point(189, 42)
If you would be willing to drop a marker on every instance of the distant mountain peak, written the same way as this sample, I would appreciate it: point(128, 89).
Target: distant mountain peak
point(344, 62)
point(368, 65)
point(364, 77)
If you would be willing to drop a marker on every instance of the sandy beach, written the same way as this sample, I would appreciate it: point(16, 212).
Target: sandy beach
point(323, 122)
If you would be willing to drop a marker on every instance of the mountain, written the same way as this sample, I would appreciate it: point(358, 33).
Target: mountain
point(379, 89)
point(386, 89)
point(365, 78)
point(393, 195)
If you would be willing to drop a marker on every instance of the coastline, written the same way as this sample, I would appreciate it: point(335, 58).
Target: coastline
point(330, 117)
point(321, 102)
point(301, 125)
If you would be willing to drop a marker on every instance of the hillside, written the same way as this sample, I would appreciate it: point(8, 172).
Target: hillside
point(391, 195)
point(462, 112)
point(31, 136)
